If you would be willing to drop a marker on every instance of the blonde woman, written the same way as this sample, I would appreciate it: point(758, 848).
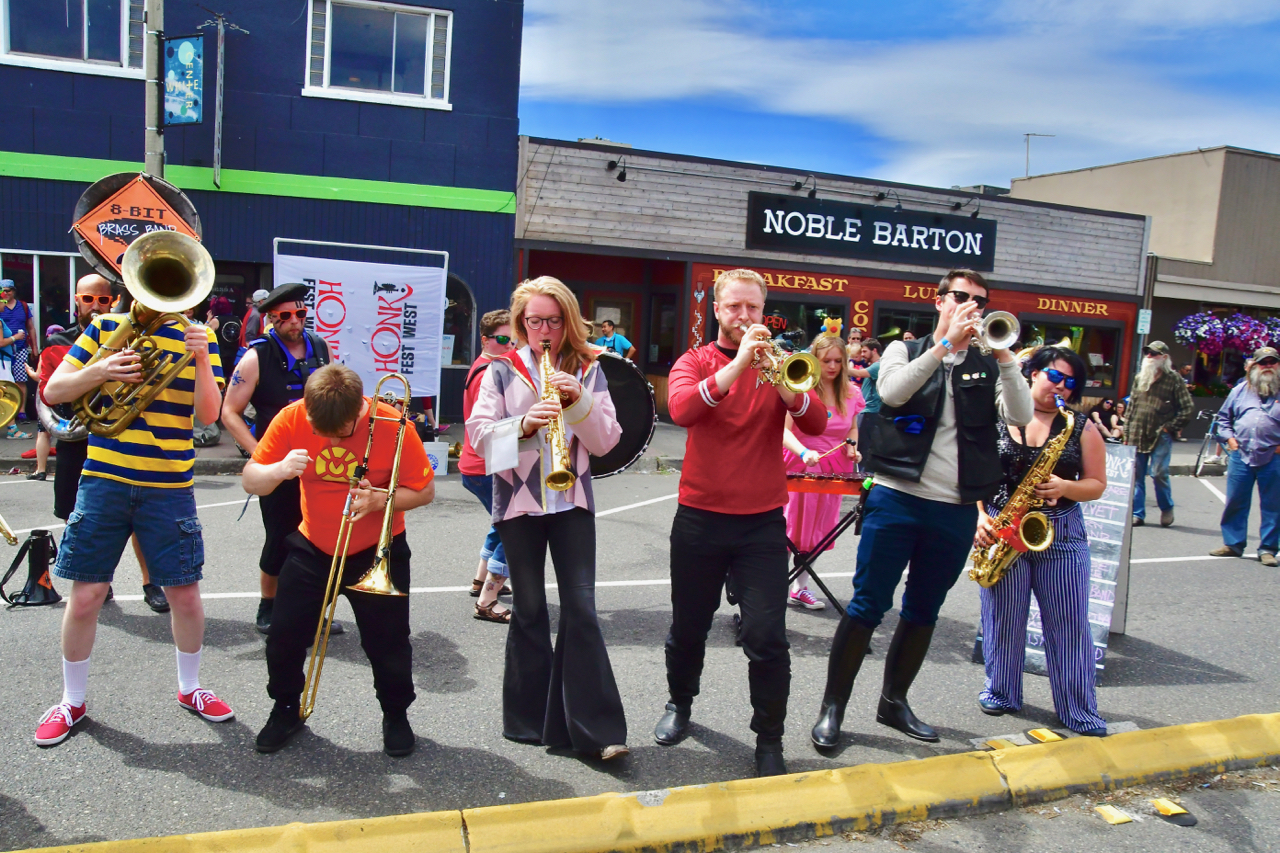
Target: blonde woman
point(810, 517)
point(566, 696)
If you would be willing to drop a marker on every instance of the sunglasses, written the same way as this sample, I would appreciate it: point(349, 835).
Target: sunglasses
point(284, 316)
point(961, 297)
point(502, 339)
point(1055, 376)
point(535, 323)
point(1150, 353)
point(89, 299)
point(1267, 362)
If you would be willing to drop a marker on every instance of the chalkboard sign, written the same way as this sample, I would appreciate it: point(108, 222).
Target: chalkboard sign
point(1108, 523)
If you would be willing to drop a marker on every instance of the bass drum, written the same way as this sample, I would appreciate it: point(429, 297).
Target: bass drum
point(637, 413)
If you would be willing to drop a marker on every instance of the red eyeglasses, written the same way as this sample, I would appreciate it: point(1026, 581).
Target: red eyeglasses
point(89, 299)
point(283, 316)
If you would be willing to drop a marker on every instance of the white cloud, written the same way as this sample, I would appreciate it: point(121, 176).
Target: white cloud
point(954, 109)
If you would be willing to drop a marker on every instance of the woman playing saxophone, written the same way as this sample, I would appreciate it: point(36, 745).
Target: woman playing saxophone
point(1058, 575)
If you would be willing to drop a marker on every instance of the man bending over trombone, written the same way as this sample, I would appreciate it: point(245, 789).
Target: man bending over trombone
point(316, 440)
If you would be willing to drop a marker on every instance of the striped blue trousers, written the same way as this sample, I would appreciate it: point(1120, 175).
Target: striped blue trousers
point(1059, 577)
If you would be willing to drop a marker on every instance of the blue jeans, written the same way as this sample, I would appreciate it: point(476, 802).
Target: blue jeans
point(1235, 517)
point(1157, 464)
point(108, 511)
point(897, 529)
point(482, 487)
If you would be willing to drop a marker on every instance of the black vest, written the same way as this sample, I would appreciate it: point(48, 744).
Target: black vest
point(278, 386)
point(897, 439)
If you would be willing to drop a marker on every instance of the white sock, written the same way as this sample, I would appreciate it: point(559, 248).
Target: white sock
point(75, 679)
point(188, 671)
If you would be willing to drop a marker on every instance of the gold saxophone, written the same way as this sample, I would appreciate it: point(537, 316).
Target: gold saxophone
point(561, 477)
point(1020, 526)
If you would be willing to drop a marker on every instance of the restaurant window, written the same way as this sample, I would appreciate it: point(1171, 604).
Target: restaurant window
point(662, 332)
point(891, 324)
point(459, 323)
point(1098, 346)
point(796, 324)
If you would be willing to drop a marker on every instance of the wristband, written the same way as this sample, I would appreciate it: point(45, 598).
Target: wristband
point(947, 345)
point(803, 451)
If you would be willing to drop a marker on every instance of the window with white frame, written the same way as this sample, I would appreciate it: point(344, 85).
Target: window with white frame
point(379, 51)
point(103, 33)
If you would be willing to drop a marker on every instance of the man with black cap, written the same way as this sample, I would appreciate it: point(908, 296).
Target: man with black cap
point(1249, 423)
point(1159, 406)
point(271, 376)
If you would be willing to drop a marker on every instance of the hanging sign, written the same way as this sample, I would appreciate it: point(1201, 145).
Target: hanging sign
point(808, 226)
point(376, 318)
point(183, 76)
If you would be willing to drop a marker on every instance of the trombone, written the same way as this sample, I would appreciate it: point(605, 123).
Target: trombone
point(377, 580)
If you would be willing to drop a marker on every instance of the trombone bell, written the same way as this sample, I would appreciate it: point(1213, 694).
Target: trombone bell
point(377, 580)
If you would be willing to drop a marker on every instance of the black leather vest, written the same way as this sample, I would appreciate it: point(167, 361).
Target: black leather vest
point(897, 439)
point(278, 386)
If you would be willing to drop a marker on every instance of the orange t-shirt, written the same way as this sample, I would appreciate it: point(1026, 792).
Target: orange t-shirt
point(324, 482)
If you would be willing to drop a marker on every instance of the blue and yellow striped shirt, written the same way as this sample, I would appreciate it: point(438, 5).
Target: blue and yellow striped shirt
point(156, 450)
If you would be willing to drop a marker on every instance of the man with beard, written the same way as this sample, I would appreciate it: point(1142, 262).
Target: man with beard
point(271, 376)
point(1159, 406)
point(93, 297)
point(1250, 422)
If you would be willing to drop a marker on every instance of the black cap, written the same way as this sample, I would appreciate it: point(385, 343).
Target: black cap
point(294, 292)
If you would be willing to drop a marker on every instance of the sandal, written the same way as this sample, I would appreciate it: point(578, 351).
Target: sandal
point(488, 614)
point(476, 586)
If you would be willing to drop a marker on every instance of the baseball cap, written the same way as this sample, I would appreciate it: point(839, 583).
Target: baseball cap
point(6, 284)
point(259, 295)
point(1157, 347)
point(1265, 352)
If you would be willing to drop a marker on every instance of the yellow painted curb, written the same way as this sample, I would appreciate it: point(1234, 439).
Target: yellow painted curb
point(752, 812)
point(744, 813)
point(432, 832)
point(1053, 770)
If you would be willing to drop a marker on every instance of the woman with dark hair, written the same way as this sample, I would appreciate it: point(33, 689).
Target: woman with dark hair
point(1059, 575)
point(1117, 419)
point(1100, 415)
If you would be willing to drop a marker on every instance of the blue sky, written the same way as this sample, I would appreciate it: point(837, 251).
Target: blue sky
point(936, 93)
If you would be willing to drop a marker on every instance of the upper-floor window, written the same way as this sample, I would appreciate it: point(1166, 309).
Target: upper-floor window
point(96, 34)
point(379, 52)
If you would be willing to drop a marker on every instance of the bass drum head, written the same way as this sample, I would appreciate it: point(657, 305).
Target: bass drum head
point(637, 413)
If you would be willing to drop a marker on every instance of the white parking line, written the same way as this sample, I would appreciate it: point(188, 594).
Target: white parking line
point(1211, 487)
point(1187, 559)
point(603, 513)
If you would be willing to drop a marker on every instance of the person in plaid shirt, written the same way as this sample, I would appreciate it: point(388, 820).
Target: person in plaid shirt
point(1159, 406)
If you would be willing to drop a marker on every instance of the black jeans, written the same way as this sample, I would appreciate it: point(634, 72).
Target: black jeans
point(281, 515)
point(566, 697)
point(383, 621)
point(708, 548)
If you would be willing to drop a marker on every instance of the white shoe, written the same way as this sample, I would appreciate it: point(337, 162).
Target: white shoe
point(804, 598)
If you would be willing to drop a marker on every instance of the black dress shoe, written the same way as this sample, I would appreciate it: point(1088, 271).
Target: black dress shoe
point(155, 598)
point(897, 714)
point(672, 726)
point(992, 708)
point(283, 724)
point(111, 593)
point(266, 606)
point(1102, 732)
point(769, 760)
point(397, 735)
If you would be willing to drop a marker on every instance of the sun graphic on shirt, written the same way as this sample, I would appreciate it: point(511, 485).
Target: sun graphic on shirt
point(336, 464)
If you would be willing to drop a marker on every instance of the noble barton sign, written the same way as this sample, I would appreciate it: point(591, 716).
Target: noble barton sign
point(824, 227)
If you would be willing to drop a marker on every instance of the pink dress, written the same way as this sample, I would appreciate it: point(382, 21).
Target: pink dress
point(811, 517)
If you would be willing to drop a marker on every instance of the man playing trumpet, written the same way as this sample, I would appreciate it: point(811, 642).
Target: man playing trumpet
point(317, 440)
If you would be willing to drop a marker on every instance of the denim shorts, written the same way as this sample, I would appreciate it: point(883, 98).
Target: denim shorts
point(107, 512)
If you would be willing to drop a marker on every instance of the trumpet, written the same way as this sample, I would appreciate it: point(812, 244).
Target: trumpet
point(166, 272)
point(376, 581)
point(561, 477)
point(798, 372)
point(997, 330)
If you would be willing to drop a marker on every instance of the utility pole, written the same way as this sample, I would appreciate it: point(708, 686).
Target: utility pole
point(153, 32)
point(1027, 137)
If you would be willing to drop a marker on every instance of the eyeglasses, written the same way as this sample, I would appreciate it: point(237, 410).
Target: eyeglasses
point(285, 316)
point(962, 297)
point(502, 339)
point(1055, 376)
point(355, 423)
point(89, 299)
point(535, 323)
point(1267, 362)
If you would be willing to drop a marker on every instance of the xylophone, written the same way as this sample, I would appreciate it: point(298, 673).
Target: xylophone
point(824, 483)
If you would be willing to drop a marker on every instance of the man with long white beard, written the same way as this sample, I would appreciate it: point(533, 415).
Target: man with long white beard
point(1249, 421)
point(1159, 406)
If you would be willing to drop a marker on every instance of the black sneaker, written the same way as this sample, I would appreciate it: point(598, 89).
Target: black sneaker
point(37, 475)
point(397, 735)
point(111, 593)
point(283, 724)
point(155, 598)
point(334, 630)
point(263, 620)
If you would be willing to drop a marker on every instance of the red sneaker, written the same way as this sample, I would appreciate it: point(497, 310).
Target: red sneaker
point(57, 723)
point(204, 703)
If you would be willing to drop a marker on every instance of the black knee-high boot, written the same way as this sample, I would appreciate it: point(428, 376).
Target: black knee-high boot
point(906, 653)
point(848, 648)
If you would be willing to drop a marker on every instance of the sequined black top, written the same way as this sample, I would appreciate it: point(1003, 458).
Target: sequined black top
point(1017, 459)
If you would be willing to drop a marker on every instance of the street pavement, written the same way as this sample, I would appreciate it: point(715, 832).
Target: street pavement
point(1198, 648)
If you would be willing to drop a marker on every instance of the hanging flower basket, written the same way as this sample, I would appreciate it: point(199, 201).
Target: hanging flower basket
point(1273, 331)
point(1203, 332)
point(1244, 334)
